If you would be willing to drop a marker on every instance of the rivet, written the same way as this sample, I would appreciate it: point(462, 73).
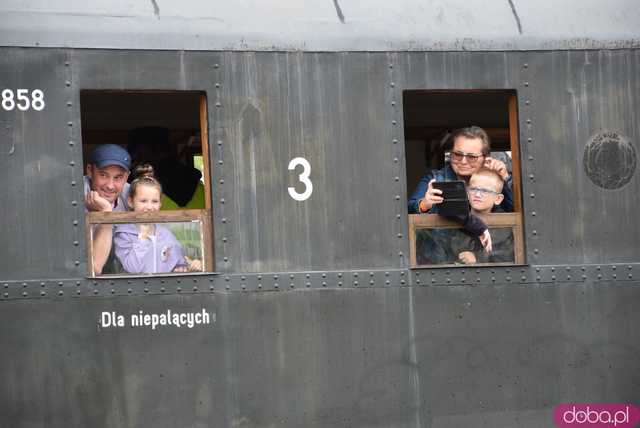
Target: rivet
point(553, 277)
point(220, 162)
point(523, 278)
point(533, 195)
point(71, 143)
point(77, 262)
point(308, 284)
point(66, 63)
point(371, 282)
point(394, 122)
point(527, 102)
point(195, 288)
point(69, 123)
point(340, 275)
point(613, 267)
point(217, 85)
point(533, 213)
point(526, 65)
point(211, 287)
point(531, 176)
point(598, 268)
point(6, 294)
point(583, 268)
point(259, 277)
point(403, 282)
point(179, 289)
point(396, 160)
point(536, 251)
point(113, 291)
point(529, 139)
point(74, 203)
point(76, 243)
point(390, 65)
point(508, 278)
point(462, 280)
point(291, 284)
point(599, 276)
point(75, 222)
point(392, 84)
point(77, 291)
point(129, 290)
point(355, 274)
point(42, 284)
point(222, 201)
point(530, 158)
point(43, 293)
point(73, 183)
point(69, 103)
point(529, 121)
point(216, 65)
point(535, 232)
point(387, 282)
point(146, 290)
point(324, 275)
point(400, 253)
point(614, 276)
point(67, 83)
point(526, 83)
point(324, 284)
point(396, 178)
point(568, 268)
point(162, 289)
point(629, 267)
point(538, 278)
point(630, 275)
point(393, 103)
point(24, 285)
point(399, 235)
point(218, 104)
point(224, 239)
point(568, 277)
point(398, 217)
point(228, 287)
point(226, 278)
point(553, 269)
point(355, 283)
point(226, 259)
point(61, 293)
point(224, 220)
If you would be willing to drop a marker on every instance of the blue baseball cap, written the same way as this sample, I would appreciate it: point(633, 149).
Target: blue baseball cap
point(110, 154)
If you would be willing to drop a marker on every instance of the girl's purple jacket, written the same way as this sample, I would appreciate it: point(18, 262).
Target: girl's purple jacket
point(160, 253)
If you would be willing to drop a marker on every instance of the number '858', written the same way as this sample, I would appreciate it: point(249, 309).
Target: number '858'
point(22, 99)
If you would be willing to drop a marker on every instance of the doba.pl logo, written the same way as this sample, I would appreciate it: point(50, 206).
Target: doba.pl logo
point(594, 415)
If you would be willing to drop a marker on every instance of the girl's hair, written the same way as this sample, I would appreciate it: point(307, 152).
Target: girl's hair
point(143, 177)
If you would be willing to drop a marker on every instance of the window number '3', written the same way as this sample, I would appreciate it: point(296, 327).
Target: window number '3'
point(304, 179)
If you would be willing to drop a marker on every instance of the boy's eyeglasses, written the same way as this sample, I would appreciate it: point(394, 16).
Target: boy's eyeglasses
point(472, 158)
point(482, 191)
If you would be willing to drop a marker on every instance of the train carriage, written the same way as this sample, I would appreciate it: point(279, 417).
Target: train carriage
point(311, 125)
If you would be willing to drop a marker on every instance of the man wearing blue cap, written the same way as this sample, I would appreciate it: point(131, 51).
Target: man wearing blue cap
point(106, 189)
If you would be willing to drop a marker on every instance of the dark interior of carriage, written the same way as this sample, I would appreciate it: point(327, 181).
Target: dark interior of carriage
point(110, 116)
point(430, 116)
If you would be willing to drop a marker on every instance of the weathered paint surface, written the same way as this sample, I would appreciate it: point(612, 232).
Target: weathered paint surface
point(323, 25)
point(369, 343)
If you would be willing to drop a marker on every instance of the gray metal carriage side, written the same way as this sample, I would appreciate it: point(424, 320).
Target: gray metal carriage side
point(318, 320)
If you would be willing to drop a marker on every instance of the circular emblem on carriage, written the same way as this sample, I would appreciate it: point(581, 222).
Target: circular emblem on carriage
point(609, 160)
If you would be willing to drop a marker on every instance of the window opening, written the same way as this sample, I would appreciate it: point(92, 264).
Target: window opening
point(162, 219)
point(431, 120)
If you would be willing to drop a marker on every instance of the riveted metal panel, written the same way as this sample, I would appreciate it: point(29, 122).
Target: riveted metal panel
point(574, 96)
point(388, 356)
point(334, 110)
point(38, 200)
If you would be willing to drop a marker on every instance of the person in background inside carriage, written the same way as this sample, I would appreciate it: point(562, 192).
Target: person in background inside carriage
point(470, 153)
point(106, 190)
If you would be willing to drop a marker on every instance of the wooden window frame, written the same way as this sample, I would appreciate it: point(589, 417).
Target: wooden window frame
point(202, 215)
point(493, 220)
point(514, 220)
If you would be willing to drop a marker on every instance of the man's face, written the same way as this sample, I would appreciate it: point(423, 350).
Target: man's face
point(466, 156)
point(483, 193)
point(107, 181)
